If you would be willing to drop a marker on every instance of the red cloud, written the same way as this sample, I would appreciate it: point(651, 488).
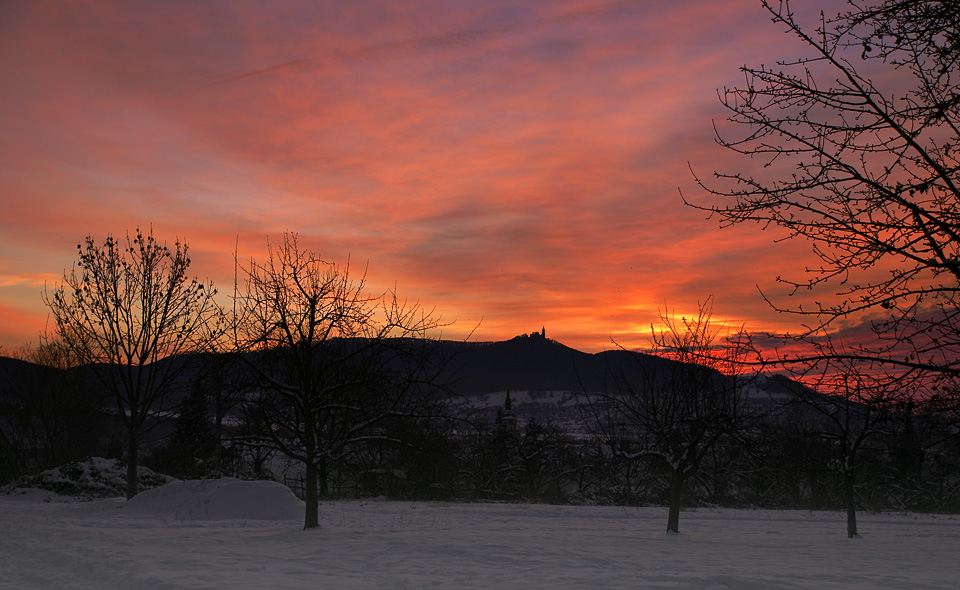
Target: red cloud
point(516, 164)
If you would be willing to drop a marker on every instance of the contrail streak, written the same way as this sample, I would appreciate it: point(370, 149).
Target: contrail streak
point(415, 46)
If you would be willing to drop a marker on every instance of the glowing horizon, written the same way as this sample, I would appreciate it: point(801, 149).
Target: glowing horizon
point(513, 167)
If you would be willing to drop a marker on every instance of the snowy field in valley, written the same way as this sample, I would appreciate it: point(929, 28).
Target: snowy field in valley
point(235, 535)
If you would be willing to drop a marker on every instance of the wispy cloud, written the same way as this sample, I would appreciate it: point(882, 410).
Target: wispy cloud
point(512, 162)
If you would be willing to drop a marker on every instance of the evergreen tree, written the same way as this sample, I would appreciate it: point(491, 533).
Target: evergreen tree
point(193, 441)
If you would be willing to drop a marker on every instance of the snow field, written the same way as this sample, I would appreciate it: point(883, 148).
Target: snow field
point(238, 535)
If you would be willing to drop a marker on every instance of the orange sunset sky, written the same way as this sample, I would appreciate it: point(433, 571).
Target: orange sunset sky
point(514, 164)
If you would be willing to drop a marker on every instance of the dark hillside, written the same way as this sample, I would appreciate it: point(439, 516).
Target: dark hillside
point(535, 363)
point(524, 363)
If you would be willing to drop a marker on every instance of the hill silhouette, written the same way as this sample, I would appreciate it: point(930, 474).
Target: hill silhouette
point(536, 363)
point(526, 362)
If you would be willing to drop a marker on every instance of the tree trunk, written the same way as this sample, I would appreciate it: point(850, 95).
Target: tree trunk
point(312, 518)
point(133, 458)
point(322, 476)
point(218, 424)
point(849, 500)
point(676, 488)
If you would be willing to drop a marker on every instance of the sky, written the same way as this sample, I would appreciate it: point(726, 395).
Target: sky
point(511, 165)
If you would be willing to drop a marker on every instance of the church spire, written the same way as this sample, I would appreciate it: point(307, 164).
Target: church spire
point(508, 417)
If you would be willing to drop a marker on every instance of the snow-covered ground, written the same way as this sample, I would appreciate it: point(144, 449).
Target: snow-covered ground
point(236, 535)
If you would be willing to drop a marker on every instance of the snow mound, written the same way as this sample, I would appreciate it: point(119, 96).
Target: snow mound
point(94, 477)
point(219, 499)
point(37, 495)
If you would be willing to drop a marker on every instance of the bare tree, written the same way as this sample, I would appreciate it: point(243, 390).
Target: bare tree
point(332, 366)
point(855, 148)
point(674, 410)
point(131, 313)
point(857, 403)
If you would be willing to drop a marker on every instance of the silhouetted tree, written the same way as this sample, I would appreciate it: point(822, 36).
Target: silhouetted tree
point(331, 365)
point(857, 402)
point(546, 455)
point(509, 463)
point(130, 311)
point(788, 461)
point(854, 148)
point(913, 461)
point(193, 441)
point(673, 413)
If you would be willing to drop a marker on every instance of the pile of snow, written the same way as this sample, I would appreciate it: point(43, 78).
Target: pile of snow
point(35, 495)
point(219, 499)
point(91, 478)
